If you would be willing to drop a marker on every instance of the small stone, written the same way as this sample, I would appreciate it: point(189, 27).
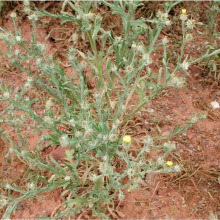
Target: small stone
point(17, 89)
point(168, 118)
point(19, 207)
point(215, 105)
point(144, 192)
point(150, 110)
point(191, 146)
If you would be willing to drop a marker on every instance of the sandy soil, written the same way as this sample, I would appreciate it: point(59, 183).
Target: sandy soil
point(191, 194)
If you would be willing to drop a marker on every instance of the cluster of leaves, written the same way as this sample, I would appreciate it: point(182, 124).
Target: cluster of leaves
point(212, 35)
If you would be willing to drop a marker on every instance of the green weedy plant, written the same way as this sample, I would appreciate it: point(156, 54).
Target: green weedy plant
point(212, 36)
point(91, 123)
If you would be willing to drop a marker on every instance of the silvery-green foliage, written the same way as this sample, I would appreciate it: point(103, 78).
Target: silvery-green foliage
point(93, 120)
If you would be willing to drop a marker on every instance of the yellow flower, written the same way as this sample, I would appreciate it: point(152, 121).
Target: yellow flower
point(129, 190)
point(169, 163)
point(183, 11)
point(127, 139)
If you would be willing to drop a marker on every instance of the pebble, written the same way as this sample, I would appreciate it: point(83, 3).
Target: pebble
point(19, 207)
point(17, 89)
point(191, 146)
point(150, 110)
point(215, 105)
point(144, 191)
point(168, 118)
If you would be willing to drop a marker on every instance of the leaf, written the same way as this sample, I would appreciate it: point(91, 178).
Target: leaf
point(139, 23)
point(61, 170)
point(77, 201)
point(120, 214)
point(97, 25)
point(69, 154)
point(159, 76)
point(98, 184)
point(159, 130)
point(140, 93)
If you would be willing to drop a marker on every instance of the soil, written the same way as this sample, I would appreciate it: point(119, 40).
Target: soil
point(191, 194)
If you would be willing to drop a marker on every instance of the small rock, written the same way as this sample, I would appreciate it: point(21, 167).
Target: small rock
point(168, 118)
point(144, 192)
point(215, 105)
point(19, 207)
point(150, 110)
point(191, 146)
point(17, 89)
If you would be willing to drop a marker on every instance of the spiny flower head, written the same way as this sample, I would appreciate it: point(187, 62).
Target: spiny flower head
point(127, 139)
point(147, 59)
point(33, 17)
point(169, 145)
point(165, 40)
point(27, 10)
point(6, 95)
point(72, 122)
point(121, 196)
point(13, 15)
point(30, 186)
point(114, 68)
point(67, 178)
point(177, 168)
point(18, 38)
point(185, 65)
point(49, 104)
point(64, 140)
point(183, 17)
point(3, 202)
point(75, 37)
point(17, 52)
point(130, 172)
point(189, 37)
point(93, 177)
point(48, 120)
point(177, 82)
point(160, 160)
point(190, 24)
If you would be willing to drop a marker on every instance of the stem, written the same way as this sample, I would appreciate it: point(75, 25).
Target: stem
point(184, 42)
point(98, 63)
point(141, 105)
point(155, 39)
point(205, 56)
